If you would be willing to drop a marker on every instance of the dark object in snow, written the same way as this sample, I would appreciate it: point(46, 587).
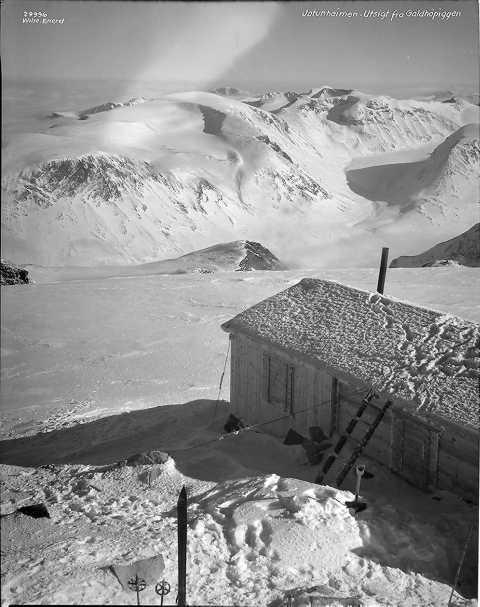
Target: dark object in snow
point(149, 570)
point(147, 458)
point(293, 438)
point(35, 511)
point(12, 275)
point(317, 434)
point(233, 424)
point(315, 450)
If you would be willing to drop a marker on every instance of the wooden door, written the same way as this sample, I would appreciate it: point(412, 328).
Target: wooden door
point(415, 450)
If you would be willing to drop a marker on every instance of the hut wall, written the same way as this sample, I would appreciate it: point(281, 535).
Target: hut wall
point(458, 461)
point(298, 391)
point(433, 455)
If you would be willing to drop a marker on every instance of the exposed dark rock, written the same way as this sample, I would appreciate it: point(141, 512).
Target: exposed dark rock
point(274, 146)
point(99, 176)
point(12, 275)
point(259, 258)
point(104, 107)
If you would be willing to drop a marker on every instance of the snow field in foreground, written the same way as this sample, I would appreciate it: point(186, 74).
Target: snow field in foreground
point(253, 535)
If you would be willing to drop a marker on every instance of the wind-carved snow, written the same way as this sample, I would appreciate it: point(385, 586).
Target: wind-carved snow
point(425, 354)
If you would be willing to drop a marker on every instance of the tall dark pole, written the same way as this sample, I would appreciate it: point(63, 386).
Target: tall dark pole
point(383, 270)
point(182, 548)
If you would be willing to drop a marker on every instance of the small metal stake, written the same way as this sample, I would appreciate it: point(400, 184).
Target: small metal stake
point(138, 585)
point(162, 588)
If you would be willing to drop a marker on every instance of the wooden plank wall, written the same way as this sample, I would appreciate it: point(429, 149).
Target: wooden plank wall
point(311, 387)
point(458, 451)
point(458, 462)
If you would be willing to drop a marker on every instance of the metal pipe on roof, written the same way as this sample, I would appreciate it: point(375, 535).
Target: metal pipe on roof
point(383, 270)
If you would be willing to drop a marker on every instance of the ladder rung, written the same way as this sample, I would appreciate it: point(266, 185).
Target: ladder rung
point(346, 436)
point(363, 443)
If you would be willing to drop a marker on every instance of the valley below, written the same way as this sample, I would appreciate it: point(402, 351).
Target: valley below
point(160, 176)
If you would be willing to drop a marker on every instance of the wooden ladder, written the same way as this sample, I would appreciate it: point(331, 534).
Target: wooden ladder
point(362, 444)
point(347, 435)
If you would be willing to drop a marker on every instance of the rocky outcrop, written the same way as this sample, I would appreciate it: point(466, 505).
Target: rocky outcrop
point(12, 275)
point(463, 250)
point(258, 258)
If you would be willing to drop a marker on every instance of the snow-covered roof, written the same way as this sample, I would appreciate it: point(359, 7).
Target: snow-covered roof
point(418, 355)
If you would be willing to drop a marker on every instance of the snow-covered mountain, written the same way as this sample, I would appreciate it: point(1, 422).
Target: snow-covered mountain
point(463, 249)
point(240, 256)
point(148, 179)
point(444, 180)
point(237, 256)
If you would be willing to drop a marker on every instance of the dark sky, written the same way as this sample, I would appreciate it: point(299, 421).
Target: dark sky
point(246, 44)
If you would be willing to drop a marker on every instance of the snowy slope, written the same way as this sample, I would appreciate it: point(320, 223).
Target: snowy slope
point(240, 255)
point(463, 249)
point(444, 180)
point(150, 178)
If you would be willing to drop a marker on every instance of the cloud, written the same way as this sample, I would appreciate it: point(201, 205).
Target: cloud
point(207, 39)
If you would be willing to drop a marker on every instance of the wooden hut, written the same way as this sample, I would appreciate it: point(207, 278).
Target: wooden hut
point(309, 355)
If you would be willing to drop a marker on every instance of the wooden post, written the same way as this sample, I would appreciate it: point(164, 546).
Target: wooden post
point(383, 270)
point(182, 547)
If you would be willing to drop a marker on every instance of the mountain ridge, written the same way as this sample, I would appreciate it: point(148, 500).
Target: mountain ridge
point(463, 249)
point(149, 178)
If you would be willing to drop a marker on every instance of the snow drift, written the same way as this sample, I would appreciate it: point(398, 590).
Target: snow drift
point(254, 535)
